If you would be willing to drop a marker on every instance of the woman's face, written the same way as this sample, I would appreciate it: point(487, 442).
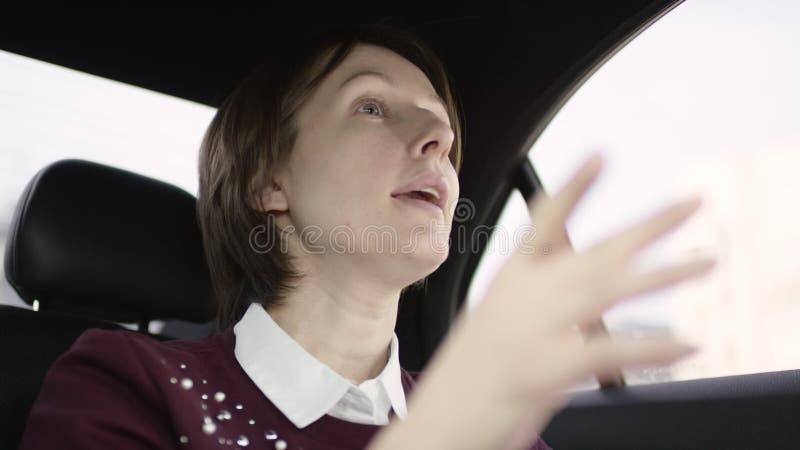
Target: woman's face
point(371, 133)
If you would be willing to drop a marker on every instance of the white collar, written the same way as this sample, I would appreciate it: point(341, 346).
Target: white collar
point(299, 385)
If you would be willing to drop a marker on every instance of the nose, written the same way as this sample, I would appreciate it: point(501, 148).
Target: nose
point(434, 138)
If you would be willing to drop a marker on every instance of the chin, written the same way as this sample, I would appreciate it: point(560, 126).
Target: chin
point(425, 261)
point(413, 262)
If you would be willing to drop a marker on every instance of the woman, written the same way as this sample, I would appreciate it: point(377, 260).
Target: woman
point(327, 181)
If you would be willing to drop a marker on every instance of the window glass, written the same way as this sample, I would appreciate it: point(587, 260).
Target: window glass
point(504, 238)
point(502, 241)
point(703, 101)
point(48, 113)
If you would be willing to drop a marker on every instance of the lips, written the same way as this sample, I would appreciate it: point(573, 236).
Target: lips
point(429, 186)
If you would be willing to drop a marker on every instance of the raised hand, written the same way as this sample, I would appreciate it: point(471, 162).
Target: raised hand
point(505, 366)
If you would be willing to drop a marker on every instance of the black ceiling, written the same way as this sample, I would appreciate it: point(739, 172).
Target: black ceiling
point(199, 54)
point(511, 61)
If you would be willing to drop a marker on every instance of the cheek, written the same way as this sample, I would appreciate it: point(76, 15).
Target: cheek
point(367, 159)
point(346, 181)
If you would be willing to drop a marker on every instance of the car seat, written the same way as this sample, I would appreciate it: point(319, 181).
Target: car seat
point(92, 246)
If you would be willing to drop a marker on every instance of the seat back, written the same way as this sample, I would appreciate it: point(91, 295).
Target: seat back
point(29, 343)
point(90, 245)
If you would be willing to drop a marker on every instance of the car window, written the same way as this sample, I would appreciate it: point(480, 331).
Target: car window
point(704, 100)
point(502, 239)
point(50, 113)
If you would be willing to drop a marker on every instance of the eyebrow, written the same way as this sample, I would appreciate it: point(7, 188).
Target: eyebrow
point(388, 80)
point(367, 73)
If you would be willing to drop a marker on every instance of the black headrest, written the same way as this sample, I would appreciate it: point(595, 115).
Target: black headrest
point(99, 241)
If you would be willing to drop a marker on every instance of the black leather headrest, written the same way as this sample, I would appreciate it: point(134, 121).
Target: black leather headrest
point(99, 241)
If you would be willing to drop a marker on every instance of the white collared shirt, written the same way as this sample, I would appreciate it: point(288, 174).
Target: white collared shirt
point(305, 389)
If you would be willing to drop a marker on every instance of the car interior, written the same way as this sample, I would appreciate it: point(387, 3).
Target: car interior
point(91, 245)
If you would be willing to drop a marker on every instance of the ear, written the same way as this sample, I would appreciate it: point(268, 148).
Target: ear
point(267, 197)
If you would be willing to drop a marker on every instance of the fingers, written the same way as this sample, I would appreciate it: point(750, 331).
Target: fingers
point(625, 244)
point(565, 201)
point(593, 281)
point(602, 356)
point(605, 355)
point(590, 304)
point(605, 278)
point(550, 214)
point(660, 278)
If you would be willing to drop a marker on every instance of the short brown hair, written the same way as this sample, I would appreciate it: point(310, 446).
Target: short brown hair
point(249, 139)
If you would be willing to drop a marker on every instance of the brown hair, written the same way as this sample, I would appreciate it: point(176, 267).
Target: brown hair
point(250, 137)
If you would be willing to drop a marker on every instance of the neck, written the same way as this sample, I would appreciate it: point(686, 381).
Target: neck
point(346, 326)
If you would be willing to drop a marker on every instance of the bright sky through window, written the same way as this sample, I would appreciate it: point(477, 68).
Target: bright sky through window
point(49, 113)
point(705, 100)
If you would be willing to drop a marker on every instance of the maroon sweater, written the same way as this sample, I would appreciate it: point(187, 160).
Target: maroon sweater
point(122, 390)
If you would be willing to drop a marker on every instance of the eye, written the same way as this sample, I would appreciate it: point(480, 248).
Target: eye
point(373, 106)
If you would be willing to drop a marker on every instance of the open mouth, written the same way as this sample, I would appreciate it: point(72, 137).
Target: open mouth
point(428, 190)
point(421, 195)
point(422, 199)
